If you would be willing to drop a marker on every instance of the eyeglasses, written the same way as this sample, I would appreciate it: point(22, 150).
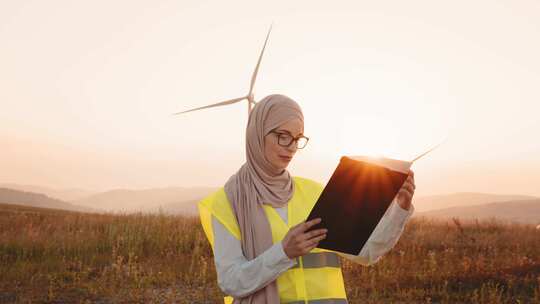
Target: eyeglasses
point(286, 139)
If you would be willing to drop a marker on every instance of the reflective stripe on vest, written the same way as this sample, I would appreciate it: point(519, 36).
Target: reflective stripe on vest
point(319, 259)
point(322, 301)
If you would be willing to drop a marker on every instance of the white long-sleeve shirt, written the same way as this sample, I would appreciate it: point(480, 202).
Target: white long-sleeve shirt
point(239, 277)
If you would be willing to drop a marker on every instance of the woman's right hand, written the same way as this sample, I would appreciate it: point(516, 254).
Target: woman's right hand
point(298, 242)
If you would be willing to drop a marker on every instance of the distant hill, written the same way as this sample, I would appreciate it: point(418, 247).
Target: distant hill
point(61, 194)
point(182, 208)
point(125, 200)
point(434, 202)
point(182, 200)
point(17, 197)
point(522, 211)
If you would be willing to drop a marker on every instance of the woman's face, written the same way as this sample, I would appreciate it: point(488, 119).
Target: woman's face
point(277, 155)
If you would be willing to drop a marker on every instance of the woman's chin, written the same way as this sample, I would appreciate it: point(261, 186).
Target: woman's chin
point(284, 164)
point(280, 165)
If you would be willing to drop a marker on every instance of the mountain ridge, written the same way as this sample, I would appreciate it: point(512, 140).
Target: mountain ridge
point(26, 198)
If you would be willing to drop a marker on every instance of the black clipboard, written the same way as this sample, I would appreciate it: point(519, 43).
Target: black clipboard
point(353, 202)
point(356, 198)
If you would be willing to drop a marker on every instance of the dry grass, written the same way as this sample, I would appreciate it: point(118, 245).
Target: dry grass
point(51, 256)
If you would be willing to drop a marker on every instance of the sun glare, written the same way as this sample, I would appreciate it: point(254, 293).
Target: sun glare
point(369, 136)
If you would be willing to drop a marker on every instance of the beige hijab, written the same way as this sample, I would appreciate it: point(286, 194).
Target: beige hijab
point(258, 182)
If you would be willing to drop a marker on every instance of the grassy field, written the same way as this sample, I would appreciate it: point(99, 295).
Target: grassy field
point(51, 256)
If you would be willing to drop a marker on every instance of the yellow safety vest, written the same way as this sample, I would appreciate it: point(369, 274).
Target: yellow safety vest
point(317, 277)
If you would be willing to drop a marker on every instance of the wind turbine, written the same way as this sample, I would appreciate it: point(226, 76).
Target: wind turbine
point(249, 97)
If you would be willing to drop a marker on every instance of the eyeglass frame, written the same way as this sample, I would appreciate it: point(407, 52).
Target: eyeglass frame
point(293, 139)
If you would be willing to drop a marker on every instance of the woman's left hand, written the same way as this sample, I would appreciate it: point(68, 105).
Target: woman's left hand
point(406, 192)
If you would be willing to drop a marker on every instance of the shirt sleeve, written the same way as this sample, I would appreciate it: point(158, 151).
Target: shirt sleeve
point(239, 277)
point(384, 236)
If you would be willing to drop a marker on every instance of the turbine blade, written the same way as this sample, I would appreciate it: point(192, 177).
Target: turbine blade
point(223, 103)
point(254, 76)
point(423, 154)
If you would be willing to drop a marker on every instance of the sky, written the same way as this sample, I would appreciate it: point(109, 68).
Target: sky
point(88, 89)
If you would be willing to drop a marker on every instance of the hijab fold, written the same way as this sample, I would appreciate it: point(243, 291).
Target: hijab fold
point(258, 182)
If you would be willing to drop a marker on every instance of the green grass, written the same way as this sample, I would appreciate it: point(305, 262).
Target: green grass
point(52, 256)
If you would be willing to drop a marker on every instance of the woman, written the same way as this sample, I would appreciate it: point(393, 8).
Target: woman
point(256, 227)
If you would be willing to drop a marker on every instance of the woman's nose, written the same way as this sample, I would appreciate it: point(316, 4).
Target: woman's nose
point(292, 147)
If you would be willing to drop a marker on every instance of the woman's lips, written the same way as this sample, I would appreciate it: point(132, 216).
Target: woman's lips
point(286, 158)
